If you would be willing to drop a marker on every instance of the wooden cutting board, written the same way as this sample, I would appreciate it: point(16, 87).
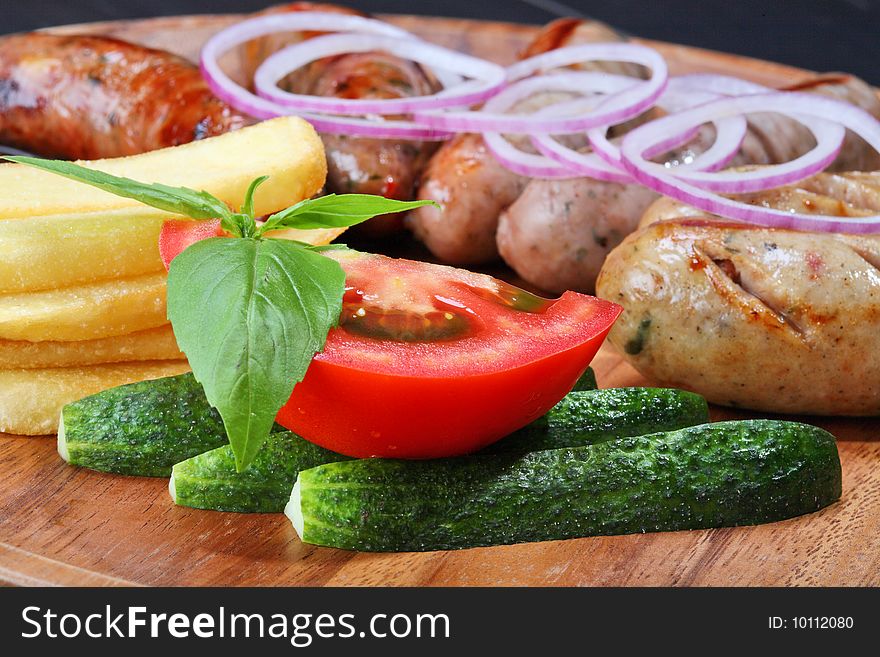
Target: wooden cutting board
point(63, 525)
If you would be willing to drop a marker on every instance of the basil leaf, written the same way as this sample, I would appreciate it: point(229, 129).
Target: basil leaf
point(247, 208)
point(179, 200)
point(337, 211)
point(249, 315)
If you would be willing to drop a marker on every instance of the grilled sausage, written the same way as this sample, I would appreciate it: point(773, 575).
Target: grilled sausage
point(86, 97)
point(772, 320)
point(564, 252)
point(386, 167)
point(558, 232)
point(471, 185)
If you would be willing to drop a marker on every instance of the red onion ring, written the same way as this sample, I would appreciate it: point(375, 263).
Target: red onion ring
point(793, 104)
point(829, 138)
point(488, 77)
point(730, 133)
point(604, 162)
point(539, 166)
point(631, 102)
point(244, 101)
point(696, 182)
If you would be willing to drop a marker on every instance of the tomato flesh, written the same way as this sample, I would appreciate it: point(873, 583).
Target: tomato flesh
point(177, 234)
point(452, 361)
point(431, 361)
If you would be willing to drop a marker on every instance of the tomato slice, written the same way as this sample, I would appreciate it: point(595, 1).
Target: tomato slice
point(431, 361)
point(177, 234)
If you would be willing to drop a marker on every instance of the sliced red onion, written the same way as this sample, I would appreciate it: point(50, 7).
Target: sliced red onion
point(730, 133)
point(604, 162)
point(630, 102)
point(244, 101)
point(829, 138)
point(487, 78)
point(793, 104)
point(370, 128)
point(539, 166)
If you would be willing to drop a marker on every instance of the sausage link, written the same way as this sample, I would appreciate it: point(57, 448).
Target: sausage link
point(471, 185)
point(86, 97)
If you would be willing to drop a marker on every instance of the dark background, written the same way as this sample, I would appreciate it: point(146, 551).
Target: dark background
point(822, 35)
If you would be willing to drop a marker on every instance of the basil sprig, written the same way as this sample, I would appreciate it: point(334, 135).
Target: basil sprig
point(249, 313)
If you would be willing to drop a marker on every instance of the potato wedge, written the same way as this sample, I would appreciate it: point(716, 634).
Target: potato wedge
point(68, 233)
point(46, 253)
point(86, 312)
point(150, 344)
point(57, 251)
point(31, 400)
point(287, 149)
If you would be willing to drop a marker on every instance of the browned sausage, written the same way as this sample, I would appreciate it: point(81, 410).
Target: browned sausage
point(86, 97)
point(471, 185)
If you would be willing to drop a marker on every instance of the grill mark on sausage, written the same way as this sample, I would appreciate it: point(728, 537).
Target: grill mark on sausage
point(819, 81)
point(552, 37)
point(727, 281)
point(871, 259)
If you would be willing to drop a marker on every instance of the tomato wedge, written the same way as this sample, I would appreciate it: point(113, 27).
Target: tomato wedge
point(431, 361)
point(177, 234)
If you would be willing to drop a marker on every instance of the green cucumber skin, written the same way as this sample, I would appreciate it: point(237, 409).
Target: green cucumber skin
point(726, 474)
point(586, 382)
point(591, 416)
point(142, 428)
point(210, 480)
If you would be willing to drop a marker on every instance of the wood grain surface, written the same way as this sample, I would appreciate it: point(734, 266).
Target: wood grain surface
point(67, 526)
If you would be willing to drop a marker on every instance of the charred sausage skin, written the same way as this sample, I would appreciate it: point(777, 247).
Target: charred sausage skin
point(386, 167)
point(86, 97)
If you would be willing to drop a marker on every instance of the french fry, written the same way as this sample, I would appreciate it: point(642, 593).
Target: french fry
point(286, 149)
point(86, 312)
point(151, 344)
point(316, 237)
point(57, 251)
point(44, 253)
point(67, 233)
point(31, 400)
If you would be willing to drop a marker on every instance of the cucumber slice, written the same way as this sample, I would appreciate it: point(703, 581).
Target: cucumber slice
point(210, 480)
point(293, 509)
point(592, 416)
point(715, 475)
point(141, 428)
